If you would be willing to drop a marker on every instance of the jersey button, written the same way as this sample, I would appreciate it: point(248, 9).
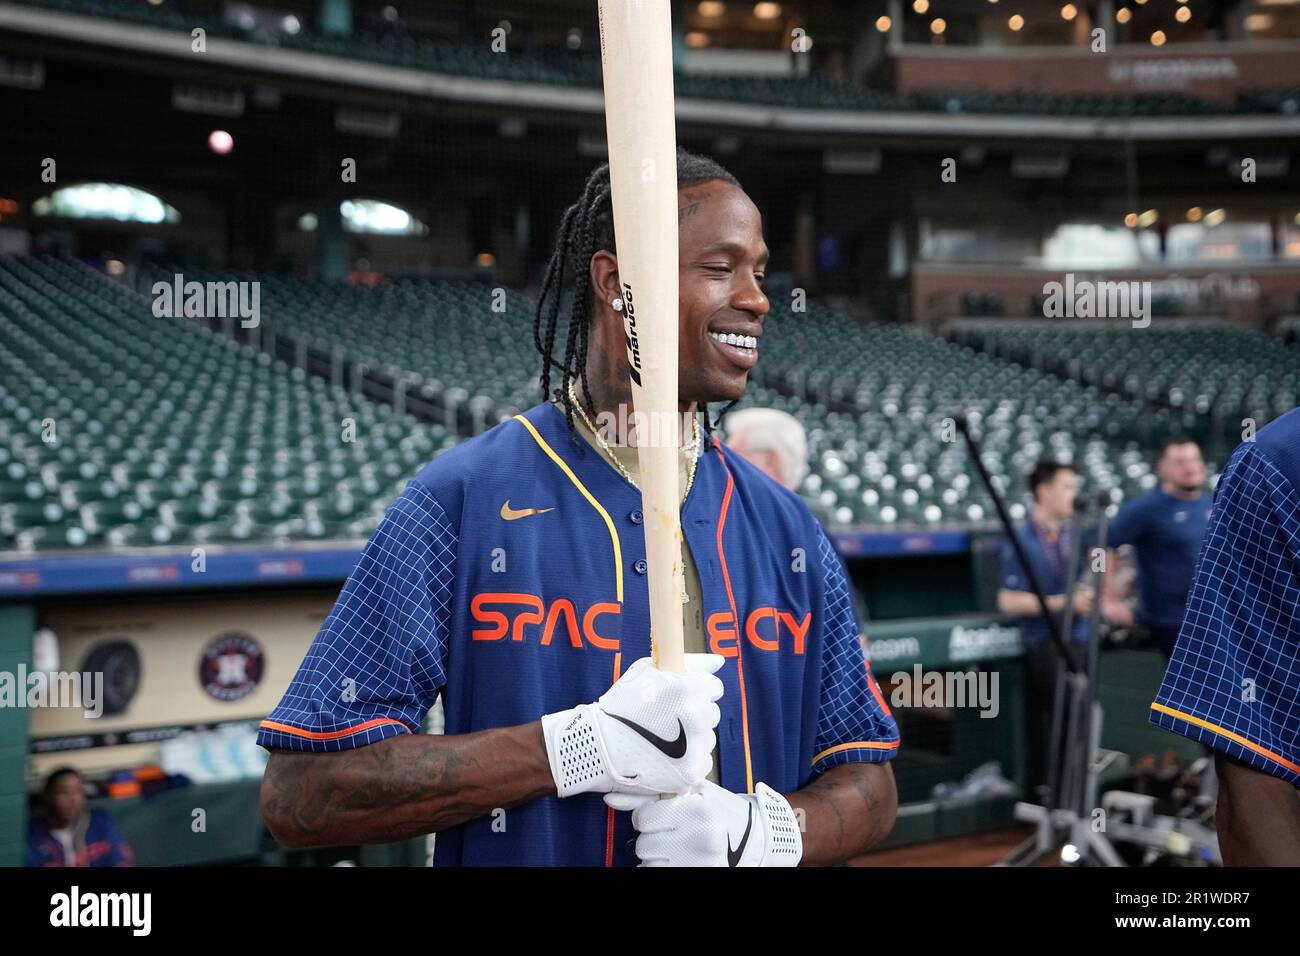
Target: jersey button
point(640, 566)
point(635, 517)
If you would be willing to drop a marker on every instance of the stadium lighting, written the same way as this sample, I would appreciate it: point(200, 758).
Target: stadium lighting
point(1016, 21)
point(697, 39)
point(938, 25)
point(1123, 15)
point(1158, 38)
point(767, 11)
point(920, 6)
point(711, 8)
point(220, 142)
point(1182, 14)
point(376, 217)
point(1194, 214)
point(1069, 11)
point(105, 201)
point(883, 24)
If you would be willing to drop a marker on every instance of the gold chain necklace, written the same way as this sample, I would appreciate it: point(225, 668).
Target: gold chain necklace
point(693, 447)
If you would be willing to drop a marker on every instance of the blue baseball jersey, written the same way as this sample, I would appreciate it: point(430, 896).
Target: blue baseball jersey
point(1233, 682)
point(1051, 562)
point(1166, 532)
point(509, 577)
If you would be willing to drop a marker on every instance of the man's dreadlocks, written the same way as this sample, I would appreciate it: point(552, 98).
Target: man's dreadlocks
point(587, 227)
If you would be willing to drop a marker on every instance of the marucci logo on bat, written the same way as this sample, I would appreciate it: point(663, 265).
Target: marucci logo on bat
point(629, 335)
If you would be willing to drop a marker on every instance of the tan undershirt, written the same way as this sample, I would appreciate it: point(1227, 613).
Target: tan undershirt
point(693, 608)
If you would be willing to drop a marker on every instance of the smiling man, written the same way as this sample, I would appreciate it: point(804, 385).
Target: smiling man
point(510, 578)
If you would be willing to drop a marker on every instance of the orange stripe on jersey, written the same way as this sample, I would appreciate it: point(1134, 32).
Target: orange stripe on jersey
point(1222, 732)
point(875, 690)
point(609, 817)
point(332, 734)
point(731, 599)
point(858, 745)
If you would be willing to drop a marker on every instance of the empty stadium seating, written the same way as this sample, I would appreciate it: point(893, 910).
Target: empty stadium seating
point(118, 428)
point(1216, 371)
point(878, 402)
point(121, 429)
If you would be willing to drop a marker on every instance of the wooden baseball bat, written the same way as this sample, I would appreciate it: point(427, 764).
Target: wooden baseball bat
point(636, 56)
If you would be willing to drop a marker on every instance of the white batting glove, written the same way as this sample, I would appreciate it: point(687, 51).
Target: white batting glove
point(651, 733)
point(711, 826)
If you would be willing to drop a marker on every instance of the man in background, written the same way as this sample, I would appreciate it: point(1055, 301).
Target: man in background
point(771, 440)
point(1164, 527)
point(71, 833)
point(1047, 539)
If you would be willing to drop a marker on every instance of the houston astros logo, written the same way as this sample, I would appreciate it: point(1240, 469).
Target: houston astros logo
point(513, 514)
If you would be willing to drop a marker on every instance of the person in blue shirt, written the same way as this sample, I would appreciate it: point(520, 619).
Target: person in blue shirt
point(1047, 538)
point(69, 833)
point(1164, 527)
point(1232, 681)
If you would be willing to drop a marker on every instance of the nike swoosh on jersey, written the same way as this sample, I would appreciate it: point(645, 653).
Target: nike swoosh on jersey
point(513, 514)
point(669, 748)
point(733, 856)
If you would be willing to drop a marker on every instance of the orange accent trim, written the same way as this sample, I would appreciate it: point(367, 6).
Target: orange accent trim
point(875, 689)
point(609, 816)
point(731, 599)
point(858, 745)
point(333, 734)
point(1236, 738)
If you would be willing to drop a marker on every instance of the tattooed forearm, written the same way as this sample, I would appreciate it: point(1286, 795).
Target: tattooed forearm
point(401, 787)
point(845, 811)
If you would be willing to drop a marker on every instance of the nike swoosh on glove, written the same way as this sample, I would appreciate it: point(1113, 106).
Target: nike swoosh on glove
point(711, 826)
point(651, 733)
